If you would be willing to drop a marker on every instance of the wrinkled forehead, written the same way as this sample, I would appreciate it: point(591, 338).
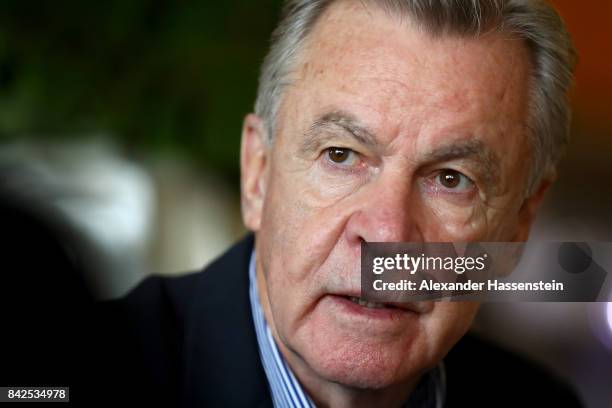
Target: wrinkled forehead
point(395, 70)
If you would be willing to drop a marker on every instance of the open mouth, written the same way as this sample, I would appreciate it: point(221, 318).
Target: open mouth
point(370, 305)
point(385, 313)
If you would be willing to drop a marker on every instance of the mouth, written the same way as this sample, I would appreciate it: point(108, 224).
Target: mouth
point(359, 308)
point(370, 305)
point(358, 302)
point(375, 321)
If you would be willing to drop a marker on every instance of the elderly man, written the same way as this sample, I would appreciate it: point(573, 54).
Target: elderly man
point(375, 120)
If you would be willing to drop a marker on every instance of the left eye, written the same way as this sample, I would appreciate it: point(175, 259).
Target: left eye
point(343, 156)
point(454, 180)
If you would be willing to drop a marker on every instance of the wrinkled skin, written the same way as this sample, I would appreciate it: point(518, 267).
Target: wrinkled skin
point(403, 106)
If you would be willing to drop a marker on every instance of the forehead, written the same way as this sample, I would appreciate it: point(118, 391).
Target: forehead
point(394, 75)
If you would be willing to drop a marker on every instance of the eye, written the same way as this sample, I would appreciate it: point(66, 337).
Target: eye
point(454, 180)
point(343, 156)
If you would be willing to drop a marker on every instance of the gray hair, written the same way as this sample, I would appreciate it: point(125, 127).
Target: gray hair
point(535, 21)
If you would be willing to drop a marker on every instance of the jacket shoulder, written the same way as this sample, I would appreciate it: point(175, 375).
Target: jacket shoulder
point(144, 337)
point(140, 339)
point(161, 299)
point(160, 296)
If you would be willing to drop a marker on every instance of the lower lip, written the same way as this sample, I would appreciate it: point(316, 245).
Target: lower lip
point(382, 313)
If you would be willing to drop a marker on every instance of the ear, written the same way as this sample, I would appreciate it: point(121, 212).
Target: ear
point(253, 164)
point(530, 207)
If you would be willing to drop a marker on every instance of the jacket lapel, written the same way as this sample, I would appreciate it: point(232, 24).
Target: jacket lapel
point(221, 363)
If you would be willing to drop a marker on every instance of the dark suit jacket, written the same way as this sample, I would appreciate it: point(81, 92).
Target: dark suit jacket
point(189, 341)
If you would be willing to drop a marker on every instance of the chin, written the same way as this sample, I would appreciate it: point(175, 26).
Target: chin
point(368, 365)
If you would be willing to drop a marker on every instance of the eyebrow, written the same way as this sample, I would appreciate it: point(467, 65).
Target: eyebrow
point(338, 120)
point(474, 150)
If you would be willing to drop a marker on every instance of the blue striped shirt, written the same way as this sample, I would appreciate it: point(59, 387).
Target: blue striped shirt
point(285, 389)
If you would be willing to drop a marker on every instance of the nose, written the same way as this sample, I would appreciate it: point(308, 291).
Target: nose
point(386, 213)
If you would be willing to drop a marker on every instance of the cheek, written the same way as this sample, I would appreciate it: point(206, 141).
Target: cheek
point(294, 215)
point(306, 208)
point(299, 233)
point(495, 221)
point(446, 223)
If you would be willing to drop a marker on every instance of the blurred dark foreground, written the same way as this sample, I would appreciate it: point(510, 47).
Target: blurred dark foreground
point(54, 332)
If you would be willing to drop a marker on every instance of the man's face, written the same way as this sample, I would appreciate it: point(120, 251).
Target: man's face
point(385, 134)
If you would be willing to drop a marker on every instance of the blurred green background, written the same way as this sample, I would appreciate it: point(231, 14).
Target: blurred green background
point(172, 76)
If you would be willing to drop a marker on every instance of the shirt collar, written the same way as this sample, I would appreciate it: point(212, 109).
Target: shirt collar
point(285, 388)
